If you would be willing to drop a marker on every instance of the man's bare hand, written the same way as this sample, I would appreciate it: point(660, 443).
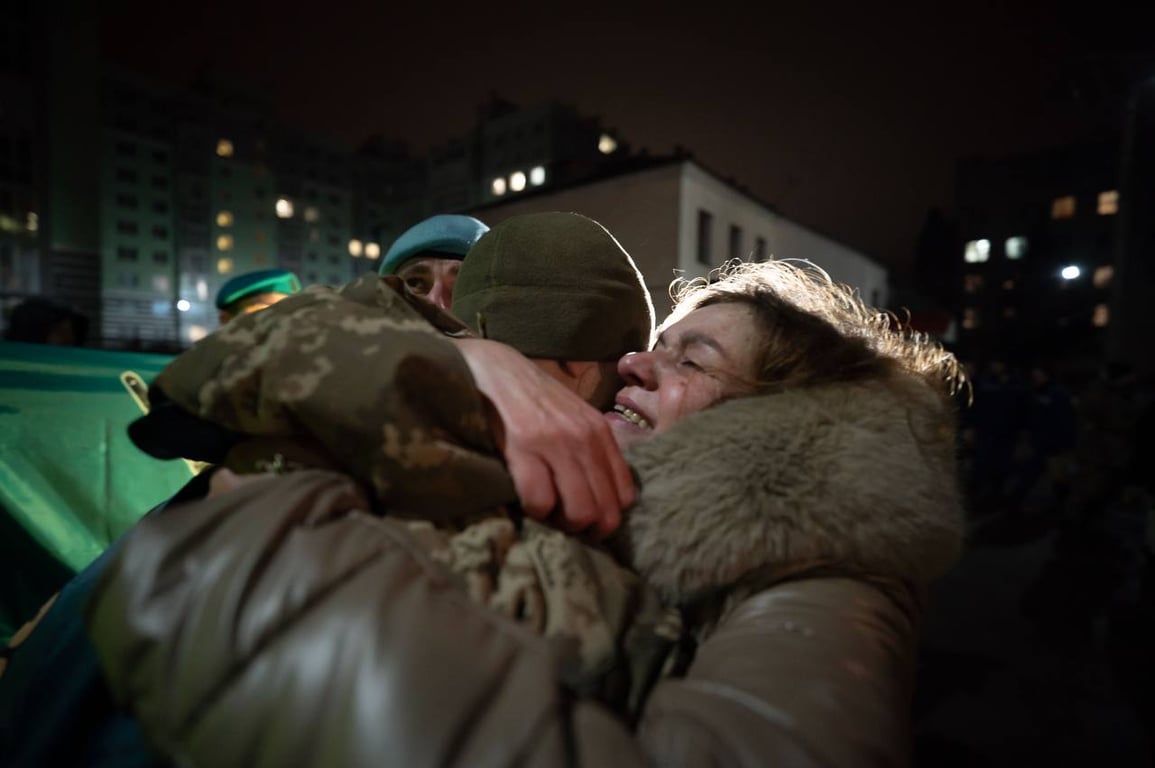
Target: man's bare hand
point(559, 450)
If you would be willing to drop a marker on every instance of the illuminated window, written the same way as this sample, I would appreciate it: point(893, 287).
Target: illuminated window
point(1063, 207)
point(977, 251)
point(224, 266)
point(1101, 316)
point(607, 145)
point(537, 176)
point(202, 289)
point(498, 186)
point(160, 283)
point(314, 235)
point(517, 181)
point(33, 222)
point(1070, 272)
point(224, 148)
point(312, 215)
point(1101, 278)
point(355, 248)
point(224, 242)
point(225, 219)
point(1016, 247)
point(972, 283)
point(196, 333)
point(1108, 204)
point(970, 318)
point(1008, 285)
point(284, 208)
point(372, 250)
point(184, 305)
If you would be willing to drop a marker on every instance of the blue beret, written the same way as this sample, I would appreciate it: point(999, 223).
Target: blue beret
point(447, 234)
point(261, 281)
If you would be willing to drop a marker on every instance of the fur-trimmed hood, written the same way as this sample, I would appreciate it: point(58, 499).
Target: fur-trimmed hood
point(855, 477)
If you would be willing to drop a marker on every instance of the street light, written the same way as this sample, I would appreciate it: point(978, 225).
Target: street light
point(1070, 272)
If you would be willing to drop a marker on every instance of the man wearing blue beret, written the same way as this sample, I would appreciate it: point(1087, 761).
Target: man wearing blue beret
point(254, 291)
point(428, 255)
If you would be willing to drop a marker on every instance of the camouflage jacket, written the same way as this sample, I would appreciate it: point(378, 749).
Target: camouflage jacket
point(363, 380)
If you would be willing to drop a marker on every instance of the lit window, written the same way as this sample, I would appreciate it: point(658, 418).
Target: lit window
point(972, 283)
point(1108, 204)
point(160, 283)
point(537, 176)
point(498, 186)
point(607, 145)
point(312, 215)
point(33, 222)
point(977, 251)
point(517, 181)
point(970, 318)
point(202, 290)
point(1063, 207)
point(196, 333)
point(1008, 285)
point(224, 242)
point(355, 248)
point(1016, 247)
point(224, 148)
point(224, 266)
point(314, 235)
point(1101, 316)
point(225, 219)
point(1070, 272)
point(284, 208)
point(184, 305)
point(372, 250)
point(1101, 277)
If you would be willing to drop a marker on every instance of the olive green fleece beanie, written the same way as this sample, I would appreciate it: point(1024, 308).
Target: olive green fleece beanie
point(556, 286)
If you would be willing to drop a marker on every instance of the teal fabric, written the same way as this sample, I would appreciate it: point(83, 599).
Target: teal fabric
point(261, 281)
point(449, 235)
point(70, 480)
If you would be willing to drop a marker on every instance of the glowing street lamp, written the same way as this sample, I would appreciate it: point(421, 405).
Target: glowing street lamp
point(1070, 272)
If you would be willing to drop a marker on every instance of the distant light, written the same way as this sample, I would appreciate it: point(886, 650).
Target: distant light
point(1016, 247)
point(355, 248)
point(202, 290)
point(1070, 272)
point(284, 208)
point(607, 144)
point(225, 219)
point(1108, 203)
point(197, 332)
point(1063, 207)
point(224, 148)
point(1102, 276)
point(312, 215)
point(184, 305)
point(224, 266)
point(33, 221)
point(498, 186)
point(517, 181)
point(1101, 316)
point(224, 242)
point(372, 250)
point(537, 176)
point(977, 251)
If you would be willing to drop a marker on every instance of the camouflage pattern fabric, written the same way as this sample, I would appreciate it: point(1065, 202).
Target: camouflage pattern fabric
point(363, 381)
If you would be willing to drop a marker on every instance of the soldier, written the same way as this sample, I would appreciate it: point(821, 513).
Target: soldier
point(254, 291)
point(427, 256)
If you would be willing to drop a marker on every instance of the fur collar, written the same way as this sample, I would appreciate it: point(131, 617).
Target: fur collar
point(858, 478)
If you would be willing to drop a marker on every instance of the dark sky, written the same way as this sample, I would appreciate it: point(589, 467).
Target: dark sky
point(848, 117)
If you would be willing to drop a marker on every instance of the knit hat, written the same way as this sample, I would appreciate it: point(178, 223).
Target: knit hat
point(252, 283)
point(446, 236)
point(555, 286)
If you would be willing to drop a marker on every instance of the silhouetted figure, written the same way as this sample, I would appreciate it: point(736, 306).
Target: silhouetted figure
point(40, 321)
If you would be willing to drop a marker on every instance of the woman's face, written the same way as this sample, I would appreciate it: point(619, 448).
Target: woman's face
point(707, 356)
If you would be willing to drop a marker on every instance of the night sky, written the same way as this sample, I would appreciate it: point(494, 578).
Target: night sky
point(847, 117)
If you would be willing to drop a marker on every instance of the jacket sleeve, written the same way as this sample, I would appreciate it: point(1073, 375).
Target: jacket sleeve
point(815, 672)
point(278, 625)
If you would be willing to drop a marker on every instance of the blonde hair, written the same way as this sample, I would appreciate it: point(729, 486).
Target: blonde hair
point(816, 331)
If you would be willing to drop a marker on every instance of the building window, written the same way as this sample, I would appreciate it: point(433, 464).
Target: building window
point(224, 266)
point(760, 249)
point(160, 156)
point(126, 254)
point(127, 227)
point(160, 232)
point(735, 242)
point(127, 279)
point(1008, 285)
point(537, 176)
point(356, 248)
point(312, 215)
point(160, 283)
point(125, 149)
point(259, 236)
point(977, 251)
point(1016, 247)
point(970, 318)
point(260, 259)
point(284, 208)
point(517, 181)
point(225, 219)
point(1101, 277)
point(372, 250)
point(972, 283)
point(125, 174)
point(224, 148)
point(607, 145)
point(497, 186)
point(334, 258)
point(160, 207)
point(705, 237)
point(1101, 316)
point(127, 201)
point(225, 243)
point(1108, 204)
point(160, 257)
point(1009, 313)
point(160, 182)
point(1063, 207)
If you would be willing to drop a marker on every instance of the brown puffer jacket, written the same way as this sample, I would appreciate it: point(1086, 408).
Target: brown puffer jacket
point(285, 624)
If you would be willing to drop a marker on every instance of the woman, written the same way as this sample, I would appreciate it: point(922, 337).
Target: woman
point(797, 493)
